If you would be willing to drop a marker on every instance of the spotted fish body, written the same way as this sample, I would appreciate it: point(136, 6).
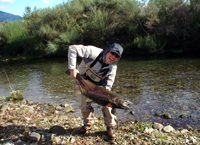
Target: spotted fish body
point(99, 95)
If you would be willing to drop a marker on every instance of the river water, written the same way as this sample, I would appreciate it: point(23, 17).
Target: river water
point(152, 85)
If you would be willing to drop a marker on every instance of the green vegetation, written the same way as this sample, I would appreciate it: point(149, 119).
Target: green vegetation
point(15, 96)
point(159, 26)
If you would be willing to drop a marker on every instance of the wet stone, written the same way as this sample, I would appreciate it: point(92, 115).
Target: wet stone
point(132, 112)
point(59, 130)
point(167, 116)
point(182, 116)
point(35, 137)
point(158, 114)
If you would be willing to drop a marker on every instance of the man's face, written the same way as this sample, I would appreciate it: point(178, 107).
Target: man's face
point(110, 57)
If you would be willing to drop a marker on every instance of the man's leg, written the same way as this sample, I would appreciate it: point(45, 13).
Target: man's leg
point(109, 119)
point(87, 112)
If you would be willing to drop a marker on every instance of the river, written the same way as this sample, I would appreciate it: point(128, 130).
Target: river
point(152, 85)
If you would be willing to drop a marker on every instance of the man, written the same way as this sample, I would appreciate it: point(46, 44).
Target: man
point(99, 67)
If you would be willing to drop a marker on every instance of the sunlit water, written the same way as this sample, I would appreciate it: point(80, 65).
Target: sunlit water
point(153, 86)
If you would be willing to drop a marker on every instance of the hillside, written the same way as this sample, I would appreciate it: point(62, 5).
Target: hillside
point(8, 17)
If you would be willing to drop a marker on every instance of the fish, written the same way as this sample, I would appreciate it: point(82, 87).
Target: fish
point(99, 94)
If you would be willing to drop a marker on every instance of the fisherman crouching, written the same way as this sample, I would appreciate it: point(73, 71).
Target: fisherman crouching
point(99, 67)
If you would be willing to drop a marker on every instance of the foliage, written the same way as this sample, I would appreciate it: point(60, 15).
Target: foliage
point(15, 96)
point(159, 26)
point(14, 38)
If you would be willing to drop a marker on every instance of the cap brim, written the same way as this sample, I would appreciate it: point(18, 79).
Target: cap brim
point(115, 52)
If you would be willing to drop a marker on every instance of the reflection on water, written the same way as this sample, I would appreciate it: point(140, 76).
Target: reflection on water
point(162, 86)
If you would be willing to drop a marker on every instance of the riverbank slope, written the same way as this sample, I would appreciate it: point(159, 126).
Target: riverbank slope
point(26, 122)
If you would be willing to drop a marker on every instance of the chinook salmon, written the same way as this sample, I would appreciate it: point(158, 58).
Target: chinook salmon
point(99, 94)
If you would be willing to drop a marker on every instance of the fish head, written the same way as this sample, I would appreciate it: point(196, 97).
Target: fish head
point(122, 104)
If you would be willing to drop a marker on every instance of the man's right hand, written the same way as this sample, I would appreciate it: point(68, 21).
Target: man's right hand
point(73, 73)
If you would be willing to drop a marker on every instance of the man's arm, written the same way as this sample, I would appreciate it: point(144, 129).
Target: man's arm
point(82, 51)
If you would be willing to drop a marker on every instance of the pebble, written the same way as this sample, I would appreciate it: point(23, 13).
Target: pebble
point(59, 130)
point(35, 137)
point(4, 108)
point(167, 116)
point(168, 129)
point(59, 108)
point(43, 133)
point(148, 130)
point(184, 131)
point(157, 126)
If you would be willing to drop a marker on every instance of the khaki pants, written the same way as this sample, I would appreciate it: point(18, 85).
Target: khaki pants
point(88, 113)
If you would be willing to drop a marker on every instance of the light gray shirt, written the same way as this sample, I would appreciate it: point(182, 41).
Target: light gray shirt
point(89, 54)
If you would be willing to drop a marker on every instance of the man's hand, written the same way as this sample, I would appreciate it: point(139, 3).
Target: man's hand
point(73, 73)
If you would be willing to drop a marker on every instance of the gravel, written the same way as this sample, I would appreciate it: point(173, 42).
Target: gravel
point(29, 123)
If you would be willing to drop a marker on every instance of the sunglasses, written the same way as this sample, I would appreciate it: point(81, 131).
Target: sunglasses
point(115, 54)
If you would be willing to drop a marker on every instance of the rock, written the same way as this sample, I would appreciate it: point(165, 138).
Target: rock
point(184, 131)
point(29, 102)
point(157, 126)
point(4, 108)
point(72, 140)
point(132, 112)
point(20, 142)
point(40, 129)
point(55, 119)
point(158, 114)
point(168, 129)
point(48, 136)
point(148, 130)
point(57, 139)
point(9, 123)
point(59, 108)
point(56, 112)
point(167, 116)
point(59, 130)
point(193, 139)
point(66, 105)
point(9, 143)
point(182, 116)
point(15, 122)
point(63, 117)
point(35, 137)
point(31, 109)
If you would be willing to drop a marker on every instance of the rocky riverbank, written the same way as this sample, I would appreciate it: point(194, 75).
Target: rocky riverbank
point(26, 122)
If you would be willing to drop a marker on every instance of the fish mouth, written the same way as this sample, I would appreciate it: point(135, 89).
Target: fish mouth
point(124, 106)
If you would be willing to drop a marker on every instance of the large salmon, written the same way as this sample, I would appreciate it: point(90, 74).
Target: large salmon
point(99, 94)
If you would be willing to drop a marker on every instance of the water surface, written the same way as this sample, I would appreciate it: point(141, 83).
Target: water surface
point(152, 85)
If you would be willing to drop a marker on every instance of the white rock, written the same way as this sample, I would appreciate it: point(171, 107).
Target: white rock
point(184, 131)
point(157, 126)
point(193, 138)
point(56, 112)
point(72, 140)
point(57, 139)
point(59, 108)
point(27, 118)
point(35, 137)
point(66, 105)
point(148, 130)
point(168, 129)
